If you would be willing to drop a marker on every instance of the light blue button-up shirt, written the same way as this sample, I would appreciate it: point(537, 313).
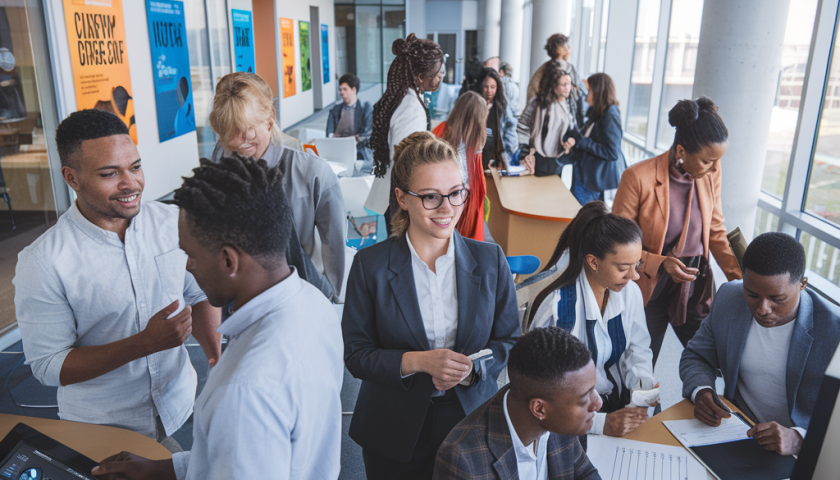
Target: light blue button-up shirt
point(271, 406)
point(78, 285)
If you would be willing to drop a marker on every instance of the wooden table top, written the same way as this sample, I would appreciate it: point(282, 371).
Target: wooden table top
point(97, 442)
point(543, 198)
point(653, 431)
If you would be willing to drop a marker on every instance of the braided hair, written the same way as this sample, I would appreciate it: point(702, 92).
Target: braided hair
point(414, 56)
point(239, 202)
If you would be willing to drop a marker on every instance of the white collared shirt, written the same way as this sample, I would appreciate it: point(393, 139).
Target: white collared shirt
point(79, 285)
point(531, 465)
point(438, 296)
point(636, 364)
point(271, 407)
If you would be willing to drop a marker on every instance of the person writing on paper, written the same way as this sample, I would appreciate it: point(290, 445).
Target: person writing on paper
point(772, 339)
point(271, 407)
point(530, 429)
point(244, 119)
point(544, 124)
point(596, 298)
point(352, 118)
point(98, 295)
point(418, 306)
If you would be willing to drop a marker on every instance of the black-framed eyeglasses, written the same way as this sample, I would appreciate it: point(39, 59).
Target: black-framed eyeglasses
point(433, 201)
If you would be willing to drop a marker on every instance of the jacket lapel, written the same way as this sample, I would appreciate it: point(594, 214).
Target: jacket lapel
point(498, 439)
point(704, 197)
point(800, 347)
point(468, 285)
point(738, 330)
point(405, 293)
point(662, 193)
point(358, 120)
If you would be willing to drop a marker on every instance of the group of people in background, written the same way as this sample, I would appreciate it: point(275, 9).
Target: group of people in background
point(106, 298)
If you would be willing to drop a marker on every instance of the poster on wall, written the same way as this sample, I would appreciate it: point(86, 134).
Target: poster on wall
point(325, 51)
point(243, 40)
point(99, 57)
point(305, 66)
point(170, 68)
point(287, 38)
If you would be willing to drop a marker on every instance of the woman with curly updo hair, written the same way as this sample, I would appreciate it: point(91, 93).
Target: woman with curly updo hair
point(417, 68)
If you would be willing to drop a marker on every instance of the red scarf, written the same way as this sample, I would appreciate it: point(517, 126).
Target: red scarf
point(471, 224)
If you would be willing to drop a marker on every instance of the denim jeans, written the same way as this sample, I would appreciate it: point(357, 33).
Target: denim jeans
point(585, 195)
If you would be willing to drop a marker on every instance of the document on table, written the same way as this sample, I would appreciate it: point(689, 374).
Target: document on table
point(620, 459)
point(694, 433)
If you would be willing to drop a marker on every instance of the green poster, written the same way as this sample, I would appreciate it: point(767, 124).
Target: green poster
point(305, 67)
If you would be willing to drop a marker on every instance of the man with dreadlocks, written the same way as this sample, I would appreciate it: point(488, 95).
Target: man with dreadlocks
point(103, 297)
point(271, 407)
point(418, 67)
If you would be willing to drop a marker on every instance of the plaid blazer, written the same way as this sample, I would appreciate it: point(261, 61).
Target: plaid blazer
point(480, 448)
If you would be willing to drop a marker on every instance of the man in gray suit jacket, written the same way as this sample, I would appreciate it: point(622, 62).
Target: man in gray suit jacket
point(772, 339)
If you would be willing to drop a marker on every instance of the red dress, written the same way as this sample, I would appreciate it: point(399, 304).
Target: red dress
point(471, 224)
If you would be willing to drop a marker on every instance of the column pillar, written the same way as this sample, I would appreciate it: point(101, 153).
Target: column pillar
point(549, 17)
point(738, 41)
point(492, 28)
point(510, 48)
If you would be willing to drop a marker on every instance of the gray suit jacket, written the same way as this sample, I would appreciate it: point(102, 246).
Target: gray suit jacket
point(723, 334)
point(382, 321)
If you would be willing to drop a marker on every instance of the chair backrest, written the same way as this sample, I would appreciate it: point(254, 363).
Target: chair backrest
point(355, 191)
point(339, 150)
point(523, 264)
point(528, 290)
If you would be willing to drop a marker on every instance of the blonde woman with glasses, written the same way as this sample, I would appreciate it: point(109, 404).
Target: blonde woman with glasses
point(418, 305)
point(244, 119)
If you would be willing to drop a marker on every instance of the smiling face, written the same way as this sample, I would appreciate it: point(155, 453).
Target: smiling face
point(617, 269)
point(564, 87)
point(437, 178)
point(704, 161)
point(773, 300)
point(489, 88)
point(571, 408)
point(252, 141)
point(108, 179)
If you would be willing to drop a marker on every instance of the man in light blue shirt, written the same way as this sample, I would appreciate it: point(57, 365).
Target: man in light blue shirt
point(93, 293)
point(271, 407)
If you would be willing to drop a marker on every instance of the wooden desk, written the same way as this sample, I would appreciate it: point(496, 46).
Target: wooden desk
point(653, 431)
point(528, 214)
point(97, 442)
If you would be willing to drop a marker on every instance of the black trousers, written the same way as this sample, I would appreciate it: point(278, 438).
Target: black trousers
point(443, 414)
point(658, 320)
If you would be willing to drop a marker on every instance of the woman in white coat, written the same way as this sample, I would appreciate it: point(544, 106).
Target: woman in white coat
point(417, 68)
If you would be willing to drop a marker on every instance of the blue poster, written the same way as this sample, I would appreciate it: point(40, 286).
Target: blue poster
point(170, 68)
point(243, 40)
point(325, 52)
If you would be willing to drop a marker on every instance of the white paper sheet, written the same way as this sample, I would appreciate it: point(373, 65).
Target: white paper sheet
point(620, 459)
point(181, 305)
point(694, 433)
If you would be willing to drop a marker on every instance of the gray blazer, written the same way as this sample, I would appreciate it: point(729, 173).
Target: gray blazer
point(723, 334)
point(382, 321)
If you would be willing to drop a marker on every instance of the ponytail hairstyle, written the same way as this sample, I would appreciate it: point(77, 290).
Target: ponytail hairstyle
point(499, 101)
point(414, 56)
point(548, 84)
point(698, 124)
point(593, 231)
point(466, 124)
point(419, 148)
point(603, 93)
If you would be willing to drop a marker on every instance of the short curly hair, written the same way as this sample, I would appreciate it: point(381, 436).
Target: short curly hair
point(776, 253)
point(84, 125)
point(541, 358)
point(239, 202)
point(554, 42)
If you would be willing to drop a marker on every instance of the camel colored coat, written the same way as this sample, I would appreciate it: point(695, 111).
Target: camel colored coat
point(643, 197)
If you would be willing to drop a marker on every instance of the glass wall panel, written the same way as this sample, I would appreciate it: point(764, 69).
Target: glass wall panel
point(369, 45)
point(345, 38)
point(823, 195)
point(392, 28)
point(680, 59)
point(795, 50)
point(765, 222)
point(821, 258)
point(638, 105)
point(602, 45)
point(27, 204)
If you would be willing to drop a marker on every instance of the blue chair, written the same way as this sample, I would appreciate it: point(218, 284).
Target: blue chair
point(523, 264)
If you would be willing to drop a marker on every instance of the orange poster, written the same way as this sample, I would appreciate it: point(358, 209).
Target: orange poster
point(98, 53)
point(287, 35)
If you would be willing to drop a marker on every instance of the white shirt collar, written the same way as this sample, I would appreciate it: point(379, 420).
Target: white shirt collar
point(95, 232)
point(257, 307)
point(615, 302)
point(524, 453)
point(449, 256)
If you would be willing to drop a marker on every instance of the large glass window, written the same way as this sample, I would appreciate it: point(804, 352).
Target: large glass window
point(641, 80)
point(795, 50)
point(823, 195)
point(680, 59)
point(365, 31)
point(602, 45)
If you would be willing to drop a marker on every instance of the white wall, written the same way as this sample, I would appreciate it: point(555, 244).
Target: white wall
point(163, 163)
point(299, 106)
point(415, 17)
